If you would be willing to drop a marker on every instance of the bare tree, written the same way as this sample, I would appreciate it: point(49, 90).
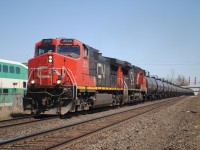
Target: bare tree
point(182, 80)
point(172, 74)
point(171, 77)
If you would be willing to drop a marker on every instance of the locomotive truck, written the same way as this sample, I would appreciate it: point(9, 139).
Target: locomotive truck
point(68, 75)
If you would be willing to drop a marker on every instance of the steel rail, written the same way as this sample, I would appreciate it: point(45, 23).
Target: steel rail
point(8, 125)
point(7, 120)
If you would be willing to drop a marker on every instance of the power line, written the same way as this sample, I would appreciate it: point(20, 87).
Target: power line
point(169, 64)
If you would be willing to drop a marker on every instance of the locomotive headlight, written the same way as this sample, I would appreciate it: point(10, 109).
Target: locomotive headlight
point(58, 81)
point(50, 59)
point(32, 81)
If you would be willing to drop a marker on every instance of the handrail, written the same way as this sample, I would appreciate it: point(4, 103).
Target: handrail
point(54, 70)
point(73, 83)
point(30, 74)
point(71, 76)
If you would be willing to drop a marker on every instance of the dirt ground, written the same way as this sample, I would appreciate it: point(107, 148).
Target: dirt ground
point(10, 112)
point(187, 130)
point(167, 128)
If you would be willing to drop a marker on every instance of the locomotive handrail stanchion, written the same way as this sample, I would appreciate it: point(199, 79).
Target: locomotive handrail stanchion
point(101, 81)
point(51, 74)
point(32, 69)
point(105, 83)
point(125, 88)
point(40, 75)
point(71, 76)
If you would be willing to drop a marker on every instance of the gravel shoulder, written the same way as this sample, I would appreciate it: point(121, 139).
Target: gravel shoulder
point(169, 128)
point(187, 131)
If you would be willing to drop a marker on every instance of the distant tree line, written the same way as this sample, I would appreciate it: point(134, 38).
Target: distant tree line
point(181, 80)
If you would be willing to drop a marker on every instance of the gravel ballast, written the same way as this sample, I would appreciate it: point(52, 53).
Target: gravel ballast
point(32, 128)
point(170, 128)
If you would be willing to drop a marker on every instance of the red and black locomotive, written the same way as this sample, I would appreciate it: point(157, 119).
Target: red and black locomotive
point(68, 75)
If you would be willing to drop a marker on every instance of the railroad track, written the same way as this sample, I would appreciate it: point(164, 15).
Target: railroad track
point(13, 121)
point(11, 125)
point(22, 120)
point(62, 137)
point(16, 121)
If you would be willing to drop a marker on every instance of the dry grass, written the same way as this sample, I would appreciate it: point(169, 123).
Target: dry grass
point(7, 112)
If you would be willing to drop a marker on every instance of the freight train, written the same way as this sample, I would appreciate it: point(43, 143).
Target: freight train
point(68, 75)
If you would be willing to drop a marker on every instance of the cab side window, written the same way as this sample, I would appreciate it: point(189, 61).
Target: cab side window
point(85, 52)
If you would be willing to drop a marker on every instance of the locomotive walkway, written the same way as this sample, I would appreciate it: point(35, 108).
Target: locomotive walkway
point(67, 135)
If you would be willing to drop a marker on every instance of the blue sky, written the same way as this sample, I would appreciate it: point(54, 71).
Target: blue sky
point(161, 36)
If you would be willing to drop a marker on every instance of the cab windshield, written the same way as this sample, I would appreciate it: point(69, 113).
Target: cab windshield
point(71, 51)
point(44, 49)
